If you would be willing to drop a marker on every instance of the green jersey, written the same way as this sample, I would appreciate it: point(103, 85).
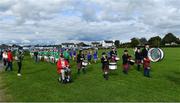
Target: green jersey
point(66, 55)
point(56, 55)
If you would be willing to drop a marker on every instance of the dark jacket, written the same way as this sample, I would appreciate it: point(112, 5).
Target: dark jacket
point(125, 59)
point(138, 55)
point(80, 58)
point(113, 53)
point(144, 53)
point(19, 56)
point(105, 62)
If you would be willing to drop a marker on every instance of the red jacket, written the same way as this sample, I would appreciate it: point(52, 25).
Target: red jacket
point(60, 65)
point(146, 62)
point(10, 56)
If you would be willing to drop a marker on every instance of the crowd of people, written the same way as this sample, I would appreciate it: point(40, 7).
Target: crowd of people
point(83, 58)
point(7, 57)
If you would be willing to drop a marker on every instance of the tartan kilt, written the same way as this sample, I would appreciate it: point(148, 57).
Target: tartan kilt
point(138, 62)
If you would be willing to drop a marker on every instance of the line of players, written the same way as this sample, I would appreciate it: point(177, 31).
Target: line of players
point(83, 58)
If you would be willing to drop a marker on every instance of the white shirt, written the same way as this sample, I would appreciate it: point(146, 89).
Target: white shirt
point(5, 56)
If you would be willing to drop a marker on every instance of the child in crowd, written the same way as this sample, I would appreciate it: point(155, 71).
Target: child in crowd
point(147, 67)
point(89, 56)
point(138, 58)
point(95, 55)
point(105, 65)
point(80, 59)
point(125, 59)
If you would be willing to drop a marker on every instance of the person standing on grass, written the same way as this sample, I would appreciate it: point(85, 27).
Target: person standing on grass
point(125, 59)
point(113, 54)
point(74, 54)
point(95, 55)
point(5, 57)
point(10, 60)
point(66, 55)
point(80, 59)
point(89, 57)
point(36, 56)
point(105, 65)
point(1, 52)
point(138, 58)
point(147, 67)
point(19, 58)
point(145, 51)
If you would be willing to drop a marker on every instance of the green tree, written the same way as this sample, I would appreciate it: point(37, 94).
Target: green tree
point(155, 41)
point(143, 41)
point(135, 42)
point(169, 38)
point(117, 43)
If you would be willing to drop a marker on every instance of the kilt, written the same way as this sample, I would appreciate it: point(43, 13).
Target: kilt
point(105, 67)
point(79, 65)
point(125, 66)
point(138, 62)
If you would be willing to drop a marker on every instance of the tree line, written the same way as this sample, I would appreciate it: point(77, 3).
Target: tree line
point(168, 40)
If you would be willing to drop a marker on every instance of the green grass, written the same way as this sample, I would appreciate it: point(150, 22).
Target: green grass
point(39, 82)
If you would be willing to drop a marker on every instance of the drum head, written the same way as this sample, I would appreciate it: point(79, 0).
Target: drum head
point(155, 54)
point(112, 67)
point(112, 63)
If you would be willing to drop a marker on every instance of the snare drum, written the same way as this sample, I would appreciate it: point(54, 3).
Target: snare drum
point(112, 66)
point(84, 63)
point(131, 62)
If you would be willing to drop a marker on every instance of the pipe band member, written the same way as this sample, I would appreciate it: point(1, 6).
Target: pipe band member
point(145, 51)
point(62, 69)
point(95, 56)
point(80, 59)
point(74, 54)
point(89, 57)
point(105, 65)
point(125, 59)
point(138, 58)
point(147, 67)
point(113, 54)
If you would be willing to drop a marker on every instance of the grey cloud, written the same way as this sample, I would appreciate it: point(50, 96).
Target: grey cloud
point(89, 19)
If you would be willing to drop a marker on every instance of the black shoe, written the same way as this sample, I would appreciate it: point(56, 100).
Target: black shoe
point(84, 71)
point(64, 81)
point(104, 75)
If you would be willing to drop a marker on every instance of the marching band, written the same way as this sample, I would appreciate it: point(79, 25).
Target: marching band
point(109, 60)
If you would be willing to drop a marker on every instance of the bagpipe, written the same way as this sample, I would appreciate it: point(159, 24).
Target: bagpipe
point(155, 54)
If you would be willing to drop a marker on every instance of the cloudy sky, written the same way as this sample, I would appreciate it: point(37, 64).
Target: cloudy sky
point(49, 21)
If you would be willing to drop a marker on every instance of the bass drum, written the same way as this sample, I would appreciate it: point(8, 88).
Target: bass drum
point(155, 54)
point(112, 66)
point(131, 62)
point(162, 53)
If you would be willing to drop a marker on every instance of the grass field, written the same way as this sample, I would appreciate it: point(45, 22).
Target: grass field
point(39, 83)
